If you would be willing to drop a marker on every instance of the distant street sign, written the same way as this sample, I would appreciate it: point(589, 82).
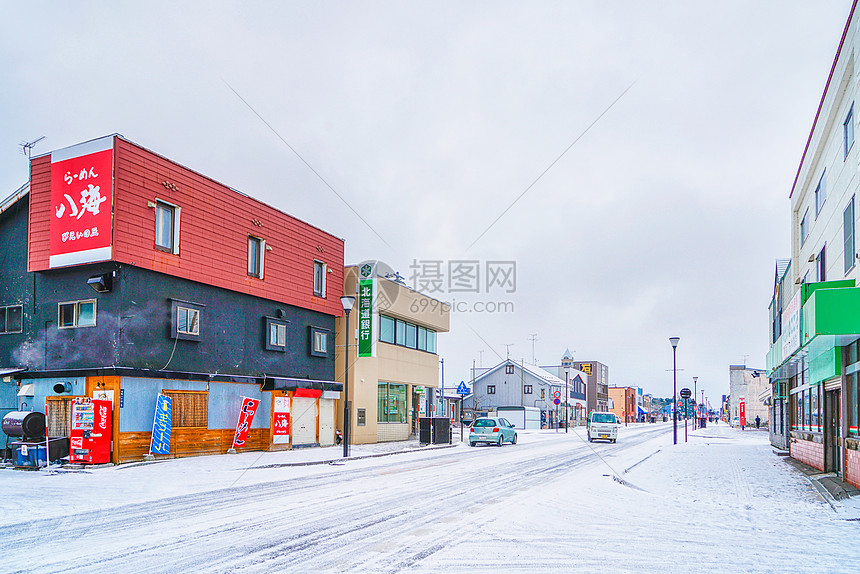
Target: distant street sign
point(556, 394)
point(685, 393)
point(557, 401)
point(462, 389)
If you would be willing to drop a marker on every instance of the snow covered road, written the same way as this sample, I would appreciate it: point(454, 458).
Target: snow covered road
point(553, 501)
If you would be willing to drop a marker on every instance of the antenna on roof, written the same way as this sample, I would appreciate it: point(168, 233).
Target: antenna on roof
point(533, 337)
point(26, 147)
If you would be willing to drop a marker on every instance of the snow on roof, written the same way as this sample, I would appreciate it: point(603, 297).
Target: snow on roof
point(13, 199)
point(533, 370)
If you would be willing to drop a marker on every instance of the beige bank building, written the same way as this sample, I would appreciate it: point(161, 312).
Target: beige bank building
point(391, 352)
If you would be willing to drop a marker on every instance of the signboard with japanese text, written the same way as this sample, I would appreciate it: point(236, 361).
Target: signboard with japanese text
point(281, 420)
point(161, 425)
point(365, 318)
point(742, 412)
point(585, 368)
point(791, 326)
point(81, 203)
point(246, 417)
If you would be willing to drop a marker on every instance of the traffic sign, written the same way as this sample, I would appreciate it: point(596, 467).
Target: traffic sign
point(556, 394)
point(462, 389)
point(685, 393)
point(557, 401)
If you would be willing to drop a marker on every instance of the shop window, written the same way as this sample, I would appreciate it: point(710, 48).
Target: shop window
point(276, 334)
point(11, 319)
point(167, 227)
point(185, 320)
point(319, 342)
point(59, 415)
point(852, 405)
point(319, 278)
point(391, 403)
point(73, 314)
point(256, 256)
point(491, 389)
point(190, 408)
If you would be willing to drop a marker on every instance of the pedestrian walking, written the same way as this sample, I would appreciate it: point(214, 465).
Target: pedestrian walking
point(757, 421)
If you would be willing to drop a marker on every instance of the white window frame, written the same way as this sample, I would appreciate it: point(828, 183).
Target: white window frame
point(260, 249)
point(76, 314)
point(189, 312)
point(820, 195)
point(323, 271)
point(176, 210)
point(848, 131)
point(804, 227)
point(278, 334)
point(320, 342)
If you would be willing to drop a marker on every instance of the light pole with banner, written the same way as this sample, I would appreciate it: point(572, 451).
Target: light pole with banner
point(674, 341)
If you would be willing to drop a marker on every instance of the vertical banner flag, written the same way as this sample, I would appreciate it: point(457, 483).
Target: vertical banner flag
point(246, 417)
point(742, 408)
point(81, 203)
point(161, 425)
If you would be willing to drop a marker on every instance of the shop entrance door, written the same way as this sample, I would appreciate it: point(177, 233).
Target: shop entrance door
point(832, 432)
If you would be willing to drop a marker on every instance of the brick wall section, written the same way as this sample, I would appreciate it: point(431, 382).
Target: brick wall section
point(215, 222)
point(808, 452)
point(852, 467)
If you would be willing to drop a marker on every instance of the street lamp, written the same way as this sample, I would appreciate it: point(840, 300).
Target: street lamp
point(347, 301)
point(695, 379)
point(674, 341)
point(566, 397)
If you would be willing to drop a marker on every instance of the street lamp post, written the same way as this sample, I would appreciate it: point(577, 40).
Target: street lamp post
point(347, 301)
point(566, 397)
point(674, 341)
point(695, 379)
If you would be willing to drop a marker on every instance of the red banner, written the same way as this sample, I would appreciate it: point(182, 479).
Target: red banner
point(743, 413)
point(81, 203)
point(281, 424)
point(246, 417)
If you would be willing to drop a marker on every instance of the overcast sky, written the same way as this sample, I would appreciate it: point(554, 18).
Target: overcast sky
point(430, 119)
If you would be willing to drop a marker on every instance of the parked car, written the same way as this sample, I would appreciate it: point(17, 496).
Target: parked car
point(736, 422)
point(495, 431)
point(602, 425)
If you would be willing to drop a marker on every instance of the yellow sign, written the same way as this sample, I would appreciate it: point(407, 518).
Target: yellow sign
point(585, 368)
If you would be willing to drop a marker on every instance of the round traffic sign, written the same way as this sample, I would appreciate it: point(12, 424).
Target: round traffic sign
point(556, 394)
point(685, 393)
point(557, 401)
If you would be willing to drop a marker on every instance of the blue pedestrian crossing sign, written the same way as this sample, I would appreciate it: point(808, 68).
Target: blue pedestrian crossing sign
point(462, 389)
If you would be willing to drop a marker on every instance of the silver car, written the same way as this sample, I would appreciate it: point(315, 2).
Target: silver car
point(495, 431)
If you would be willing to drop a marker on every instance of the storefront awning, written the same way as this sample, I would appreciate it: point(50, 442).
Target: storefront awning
point(6, 371)
point(286, 384)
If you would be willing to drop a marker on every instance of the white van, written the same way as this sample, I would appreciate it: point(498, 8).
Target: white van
point(602, 425)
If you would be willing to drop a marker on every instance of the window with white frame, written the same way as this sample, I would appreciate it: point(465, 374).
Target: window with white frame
point(820, 194)
point(11, 319)
point(319, 278)
point(820, 265)
point(276, 334)
point(166, 227)
point(804, 227)
point(848, 130)
point(491, 389)
point(319, 342)
point(256, 255)
point(73, 314)
point(527, 389)
point(185, 320)
point(848, 235)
